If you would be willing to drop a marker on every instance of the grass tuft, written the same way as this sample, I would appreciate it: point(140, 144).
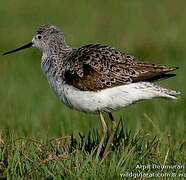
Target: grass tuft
point(73, 156)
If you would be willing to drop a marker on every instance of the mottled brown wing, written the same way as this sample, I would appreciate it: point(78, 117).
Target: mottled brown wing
point(95, 67)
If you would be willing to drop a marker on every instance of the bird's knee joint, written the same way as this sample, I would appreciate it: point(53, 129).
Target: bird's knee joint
point(104, 129)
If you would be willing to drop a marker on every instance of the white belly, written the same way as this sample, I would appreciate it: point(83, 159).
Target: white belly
point(108, 99)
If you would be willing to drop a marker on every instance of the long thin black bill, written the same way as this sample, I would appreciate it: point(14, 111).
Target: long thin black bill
point(20, 48)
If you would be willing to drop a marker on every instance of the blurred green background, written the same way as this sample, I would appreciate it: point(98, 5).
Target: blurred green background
point(153, 31)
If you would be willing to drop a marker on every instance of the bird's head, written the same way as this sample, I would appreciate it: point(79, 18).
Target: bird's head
point(46, 38)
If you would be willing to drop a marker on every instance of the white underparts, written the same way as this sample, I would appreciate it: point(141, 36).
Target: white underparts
point(111, 98)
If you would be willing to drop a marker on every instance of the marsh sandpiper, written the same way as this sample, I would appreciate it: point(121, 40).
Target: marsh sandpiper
point(97, 78)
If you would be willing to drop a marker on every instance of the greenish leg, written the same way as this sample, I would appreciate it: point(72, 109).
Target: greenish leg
point(103, 134)
point(113, 131)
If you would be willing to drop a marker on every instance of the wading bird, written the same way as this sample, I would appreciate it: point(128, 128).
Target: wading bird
point(96, 78)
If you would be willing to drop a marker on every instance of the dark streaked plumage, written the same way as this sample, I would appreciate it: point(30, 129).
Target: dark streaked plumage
point(95, 67)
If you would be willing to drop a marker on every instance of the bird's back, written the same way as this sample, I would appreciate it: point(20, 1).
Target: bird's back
point(96, 67)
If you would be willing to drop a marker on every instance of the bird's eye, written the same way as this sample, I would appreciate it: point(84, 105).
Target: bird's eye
point(39, 36)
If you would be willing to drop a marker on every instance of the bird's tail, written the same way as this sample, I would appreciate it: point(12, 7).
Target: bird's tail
point(163, 92)
point(171, 94)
